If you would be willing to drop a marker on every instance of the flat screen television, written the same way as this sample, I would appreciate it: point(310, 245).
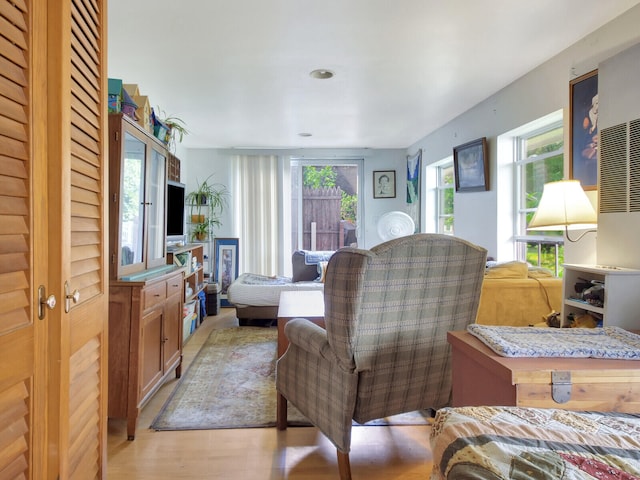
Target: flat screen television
point(175, 208)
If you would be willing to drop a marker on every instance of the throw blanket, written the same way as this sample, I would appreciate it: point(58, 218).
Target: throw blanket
point(255, 279)
point(313, 257)
point(606, 342)
point(505, 443)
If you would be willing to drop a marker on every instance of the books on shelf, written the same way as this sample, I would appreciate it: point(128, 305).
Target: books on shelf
point(182, 259)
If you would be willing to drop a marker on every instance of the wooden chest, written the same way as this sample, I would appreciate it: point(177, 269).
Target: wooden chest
point(482, 377)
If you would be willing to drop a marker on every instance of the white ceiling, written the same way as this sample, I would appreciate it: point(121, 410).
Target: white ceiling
point(237, 71)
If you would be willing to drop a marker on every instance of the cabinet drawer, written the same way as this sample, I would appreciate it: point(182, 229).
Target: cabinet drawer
point(174, 285)
point(155, 294)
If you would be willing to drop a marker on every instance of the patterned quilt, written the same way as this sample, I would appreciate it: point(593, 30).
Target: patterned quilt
point(494, 443)
point(607, 342)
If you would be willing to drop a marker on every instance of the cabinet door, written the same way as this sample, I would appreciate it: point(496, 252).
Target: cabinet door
point(172, 332)
point(150, 355)
point(155, 199)
point(131, 218)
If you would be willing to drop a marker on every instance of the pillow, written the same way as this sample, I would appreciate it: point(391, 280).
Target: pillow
point(301, 271)
point(539, 272)
point(507, 270)
point(322, 271)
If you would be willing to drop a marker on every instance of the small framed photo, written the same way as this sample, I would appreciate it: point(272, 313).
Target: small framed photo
point(583, 117)
point(226, 255)
point(471, 166)
point(384, 184)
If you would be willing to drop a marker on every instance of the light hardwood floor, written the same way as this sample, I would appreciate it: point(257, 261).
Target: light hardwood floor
point(400, 452)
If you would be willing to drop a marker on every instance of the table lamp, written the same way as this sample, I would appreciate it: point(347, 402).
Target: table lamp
point(564, 206)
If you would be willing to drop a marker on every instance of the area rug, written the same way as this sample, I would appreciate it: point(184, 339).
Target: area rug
point(231, 384)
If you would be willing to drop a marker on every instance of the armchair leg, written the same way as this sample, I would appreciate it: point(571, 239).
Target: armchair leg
point(344, 468)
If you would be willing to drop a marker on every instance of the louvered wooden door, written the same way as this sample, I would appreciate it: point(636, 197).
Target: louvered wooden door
point(52, 233)
point(22, 226)
point(77, 152)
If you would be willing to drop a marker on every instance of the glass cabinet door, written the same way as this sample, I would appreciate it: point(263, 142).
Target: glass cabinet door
point(156, 187)
point(132, 201)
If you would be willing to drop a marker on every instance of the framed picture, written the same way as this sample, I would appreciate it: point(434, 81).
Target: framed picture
point(226, 255)
point(583, 133)
point(414, 167)
point(471, 166)
point(384, 184)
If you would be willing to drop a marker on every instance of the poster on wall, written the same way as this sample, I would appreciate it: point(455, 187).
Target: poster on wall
point(583, 118)
point(413, 187)
point(226, 256)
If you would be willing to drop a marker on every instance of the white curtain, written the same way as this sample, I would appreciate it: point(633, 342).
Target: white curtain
point(255, 209)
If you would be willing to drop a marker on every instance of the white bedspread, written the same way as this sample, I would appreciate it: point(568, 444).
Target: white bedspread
point(263, 291)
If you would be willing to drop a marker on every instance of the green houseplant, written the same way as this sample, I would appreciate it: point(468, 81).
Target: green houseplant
point(207, 202)
point(176, 128)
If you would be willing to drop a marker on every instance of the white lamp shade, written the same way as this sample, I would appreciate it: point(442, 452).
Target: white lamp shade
point(564, 205)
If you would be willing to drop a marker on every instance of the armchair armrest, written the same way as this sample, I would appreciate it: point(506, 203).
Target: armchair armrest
point(308, 336)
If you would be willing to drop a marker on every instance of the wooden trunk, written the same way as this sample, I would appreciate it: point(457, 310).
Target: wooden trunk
point(482, 377)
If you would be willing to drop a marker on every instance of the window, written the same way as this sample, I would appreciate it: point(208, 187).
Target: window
point(539, 160)
point(324, 203)
point(444, 199)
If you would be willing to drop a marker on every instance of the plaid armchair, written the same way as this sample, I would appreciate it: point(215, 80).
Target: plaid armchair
point(384, 350)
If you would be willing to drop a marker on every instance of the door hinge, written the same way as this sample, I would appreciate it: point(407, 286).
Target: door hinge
point(561, 386)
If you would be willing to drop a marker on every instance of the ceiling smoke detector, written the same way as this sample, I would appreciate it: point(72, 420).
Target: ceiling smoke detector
point(321, 74)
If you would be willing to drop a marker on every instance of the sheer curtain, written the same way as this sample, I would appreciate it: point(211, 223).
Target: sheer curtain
point(255, 209)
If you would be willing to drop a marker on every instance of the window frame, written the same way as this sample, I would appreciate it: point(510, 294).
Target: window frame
point(520, 162)
point(440, 188)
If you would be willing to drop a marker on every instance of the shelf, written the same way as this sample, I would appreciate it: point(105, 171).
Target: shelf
point(620, 292)
point(584, 305)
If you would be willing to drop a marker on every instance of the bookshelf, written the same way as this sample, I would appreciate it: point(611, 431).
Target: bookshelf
point(190, 259)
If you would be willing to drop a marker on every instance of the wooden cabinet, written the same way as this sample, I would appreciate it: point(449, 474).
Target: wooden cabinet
point(137, 187)
point(145, 293)
point(145, 341)
point(621, 287)
point(190, 259)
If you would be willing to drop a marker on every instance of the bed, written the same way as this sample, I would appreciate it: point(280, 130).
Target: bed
point(524, 443)
point(256, 297)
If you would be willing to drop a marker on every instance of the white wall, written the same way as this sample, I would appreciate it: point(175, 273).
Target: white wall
point(540, 92)
point(478, 215)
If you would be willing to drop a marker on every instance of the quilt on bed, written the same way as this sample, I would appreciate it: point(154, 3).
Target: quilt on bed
point(493, 443)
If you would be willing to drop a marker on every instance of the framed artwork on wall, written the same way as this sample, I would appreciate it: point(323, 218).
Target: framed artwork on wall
point(471, 166)
point(583, 133)
point(226, 256)
point(384, 184)
point(414, 167)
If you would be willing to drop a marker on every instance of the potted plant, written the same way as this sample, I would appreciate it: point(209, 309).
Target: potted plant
point(200, 232)
point(207, 202)
point(169, 129)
